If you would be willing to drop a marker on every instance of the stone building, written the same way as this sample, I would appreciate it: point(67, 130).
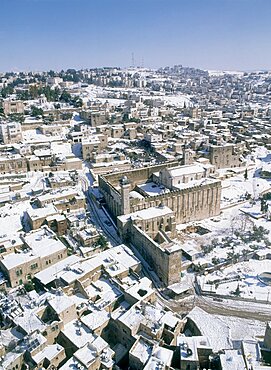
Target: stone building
point(12, 163)
point(13, 107)
point(194, 352)
point(226, 156)
point(36, 217)
point(146, 319)
point(93, 145)
point(65, 200)
point(142, 189)
point(173, 177)
point(42, 250)
point(150, 230)
point(95, 118)
point(147, 203)
point(51, 130)
point(11, 132)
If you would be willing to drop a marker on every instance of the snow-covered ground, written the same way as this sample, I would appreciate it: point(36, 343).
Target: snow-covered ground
point(97, 93)
point(243, 276)
point(215, 73)
point(230, 239)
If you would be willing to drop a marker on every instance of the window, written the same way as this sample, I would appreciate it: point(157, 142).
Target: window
point(34, 266)
point(19, 272)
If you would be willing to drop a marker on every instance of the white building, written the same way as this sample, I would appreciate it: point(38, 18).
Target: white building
point(11, 132)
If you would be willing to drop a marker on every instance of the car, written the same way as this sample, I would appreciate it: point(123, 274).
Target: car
point(108, 223)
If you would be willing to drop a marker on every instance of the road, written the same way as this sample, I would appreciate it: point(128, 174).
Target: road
point(98, 215)
point(245, 310)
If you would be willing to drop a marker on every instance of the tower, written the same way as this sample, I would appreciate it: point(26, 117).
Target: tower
point(125, 195)
point(267, 335)
point(186, 155)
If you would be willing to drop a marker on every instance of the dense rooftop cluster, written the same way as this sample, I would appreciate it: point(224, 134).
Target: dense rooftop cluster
point(135, 219)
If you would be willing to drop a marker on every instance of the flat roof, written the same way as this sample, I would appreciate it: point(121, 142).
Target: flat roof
point(43, 242)
point(185, 170)
point(232, 359)
point(146, 214)
point(50, 274)
point(16, 259)
point(151, 188)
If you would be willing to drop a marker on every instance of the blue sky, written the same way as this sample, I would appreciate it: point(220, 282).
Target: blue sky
point(209, 34)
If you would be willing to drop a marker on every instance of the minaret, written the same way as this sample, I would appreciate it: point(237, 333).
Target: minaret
point(125, 195)
point(186, 155)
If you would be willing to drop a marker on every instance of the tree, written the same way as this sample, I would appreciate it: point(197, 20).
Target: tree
point(240, 224)
point(102, 241)
point(17, 117)
point(246, 174)
point(237, 292)
point(77, 102)
point(65, 97)
point(215, 260)
point(36, 112)
point(230, 255)
point(52, 73)
point(264, 205)
point(24, 95)
point(29, 286)
point(33, 91)
point(66, 115)
point(6, 91)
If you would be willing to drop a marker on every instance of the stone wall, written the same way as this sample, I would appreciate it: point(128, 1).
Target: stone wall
point(166, 265)
point(138, 175)
point(190, 204)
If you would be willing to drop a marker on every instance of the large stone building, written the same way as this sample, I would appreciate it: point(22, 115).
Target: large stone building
point(150, 230)
point(147, 203)
point(144, 188)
